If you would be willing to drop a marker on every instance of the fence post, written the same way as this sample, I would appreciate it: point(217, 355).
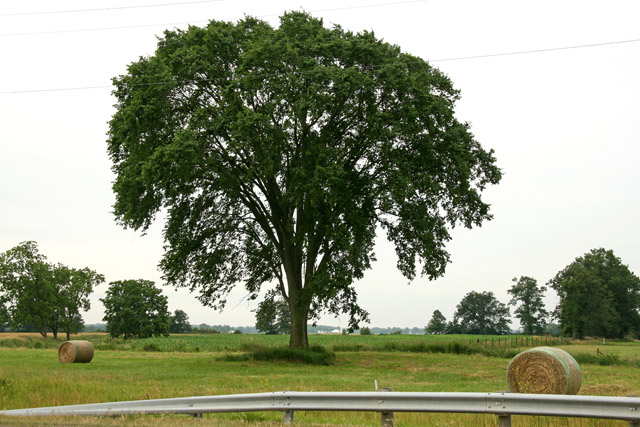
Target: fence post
point(288, 417)
point(504, 420)
point(386, 418)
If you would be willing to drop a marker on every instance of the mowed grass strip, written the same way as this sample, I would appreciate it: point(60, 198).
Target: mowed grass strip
point(34, 377)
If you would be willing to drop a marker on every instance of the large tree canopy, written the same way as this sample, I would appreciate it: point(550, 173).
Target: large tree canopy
point(277, 152)
point(599, 296)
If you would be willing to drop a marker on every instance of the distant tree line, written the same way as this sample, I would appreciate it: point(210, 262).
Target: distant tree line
point(599, 296)
point(37, 296)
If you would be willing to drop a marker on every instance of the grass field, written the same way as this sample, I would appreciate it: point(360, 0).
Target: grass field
point(193, 365)
point(246, 342)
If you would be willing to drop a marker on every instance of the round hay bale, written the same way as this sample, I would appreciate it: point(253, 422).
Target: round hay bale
point(544, 370)
point(75, 352)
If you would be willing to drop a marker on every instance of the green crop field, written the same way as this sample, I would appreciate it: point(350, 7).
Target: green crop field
point(179, 366)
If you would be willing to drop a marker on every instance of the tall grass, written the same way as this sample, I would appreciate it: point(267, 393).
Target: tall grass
point(314, 355)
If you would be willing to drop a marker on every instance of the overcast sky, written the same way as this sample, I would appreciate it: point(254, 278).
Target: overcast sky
point(563, 122)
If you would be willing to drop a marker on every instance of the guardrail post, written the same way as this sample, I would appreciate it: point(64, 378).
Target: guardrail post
point(196, 415)
point(633, 423)
point(288, 417)
point(386, 418)
point(504, 420)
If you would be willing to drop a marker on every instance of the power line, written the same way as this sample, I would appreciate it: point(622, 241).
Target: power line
point(461, 58)
point(63, 89)
point(522, 52)
point(102, 9)
point(124, 27)
point(82, 30)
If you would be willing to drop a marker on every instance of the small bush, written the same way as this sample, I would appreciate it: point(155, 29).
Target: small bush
point(251, 346)
point(365, 331)
point(151, 347)
point(603, 359)
point(314, 355)
point(244, 357)
point(350, 347)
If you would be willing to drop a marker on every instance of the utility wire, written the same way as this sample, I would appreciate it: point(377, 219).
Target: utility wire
point(102, 9)
point(35, 33)
point(522, 52)
point(461, 58)
point(83, 30)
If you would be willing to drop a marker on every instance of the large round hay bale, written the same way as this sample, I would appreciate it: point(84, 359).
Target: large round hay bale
point(75, 352)
point(544, 370)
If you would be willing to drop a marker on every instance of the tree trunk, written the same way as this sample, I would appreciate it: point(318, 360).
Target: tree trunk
point(68, 335)
point(298, 338)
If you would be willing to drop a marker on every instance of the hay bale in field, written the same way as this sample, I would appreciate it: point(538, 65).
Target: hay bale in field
point(75, 352)
point(544, 370)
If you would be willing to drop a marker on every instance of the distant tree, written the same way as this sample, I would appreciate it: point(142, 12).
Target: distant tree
point(27, 286)
point(72, 325)
point(437, 325)
point(453, 327)
point(599, 296)
point(553, 329)
point(481, 313)
point(4, 314)
point(365, 331)
point(273, 316)
point(72, 288)
point(527, 298)
point(179, 323)
point(135, 308)
point(278, 153)
point(41, 295)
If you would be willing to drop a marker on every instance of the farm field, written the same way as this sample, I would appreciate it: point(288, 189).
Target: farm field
point(180, 366)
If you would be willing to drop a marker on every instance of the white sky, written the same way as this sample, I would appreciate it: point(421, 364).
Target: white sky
point(564, 125)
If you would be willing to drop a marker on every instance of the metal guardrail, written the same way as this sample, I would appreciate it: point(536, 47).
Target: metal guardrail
point(501, 404)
